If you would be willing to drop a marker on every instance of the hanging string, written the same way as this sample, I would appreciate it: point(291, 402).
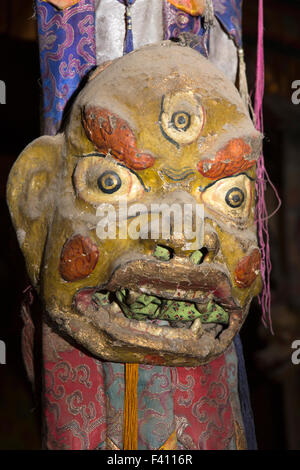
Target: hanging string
point(128, 42)
point(27, 338)
point(243, 84)
point(262, 180)
point(209, 14)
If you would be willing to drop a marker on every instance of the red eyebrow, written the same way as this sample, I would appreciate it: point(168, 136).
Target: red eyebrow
point(111, 134)
point(228, 161)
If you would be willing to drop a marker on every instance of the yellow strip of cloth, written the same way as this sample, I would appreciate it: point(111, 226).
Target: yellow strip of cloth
point(130, 426)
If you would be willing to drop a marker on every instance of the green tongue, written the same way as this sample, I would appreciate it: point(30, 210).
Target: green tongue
point(148, 306)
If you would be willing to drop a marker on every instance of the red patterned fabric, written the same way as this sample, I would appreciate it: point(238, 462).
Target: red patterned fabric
point(75, 411)
point(82, 401)
point(202, 404)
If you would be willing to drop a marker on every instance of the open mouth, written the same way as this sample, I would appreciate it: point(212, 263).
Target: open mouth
point(176, 314)
point(202, 316)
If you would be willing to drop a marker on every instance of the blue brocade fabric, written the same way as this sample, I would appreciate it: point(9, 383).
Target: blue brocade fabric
point(68, 47)
point(177, 22)
point(67, 53)
point(229, 13)
point(245, 397)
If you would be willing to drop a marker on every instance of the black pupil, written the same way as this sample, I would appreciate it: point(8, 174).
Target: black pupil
point(235, 197)
point(181, 120)
point(109, 182)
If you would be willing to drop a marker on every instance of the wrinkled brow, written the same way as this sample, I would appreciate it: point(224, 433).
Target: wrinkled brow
point(238, 155)
point(112, 134)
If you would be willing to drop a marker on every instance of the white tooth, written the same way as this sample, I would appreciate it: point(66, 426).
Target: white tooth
point(114, 307)
point(197, 328)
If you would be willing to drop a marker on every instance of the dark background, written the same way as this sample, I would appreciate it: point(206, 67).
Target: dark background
point(274, 381)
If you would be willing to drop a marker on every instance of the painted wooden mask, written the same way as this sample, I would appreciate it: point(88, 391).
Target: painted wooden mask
point(155, 133)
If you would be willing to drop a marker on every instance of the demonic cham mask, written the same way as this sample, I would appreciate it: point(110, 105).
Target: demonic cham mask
point(159, 126)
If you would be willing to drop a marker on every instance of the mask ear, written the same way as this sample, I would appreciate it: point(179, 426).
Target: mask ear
point(30, 196)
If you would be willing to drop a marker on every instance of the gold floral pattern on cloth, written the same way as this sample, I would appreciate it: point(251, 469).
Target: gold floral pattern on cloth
point(62, 4)
point(193, 7)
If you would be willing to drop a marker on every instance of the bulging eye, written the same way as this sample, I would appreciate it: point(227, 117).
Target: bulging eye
point(97, 179)
point(231, 197)
point(235, 197)
point(109, 182)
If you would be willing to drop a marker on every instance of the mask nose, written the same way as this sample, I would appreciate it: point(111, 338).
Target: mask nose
point(182, 233)
point(166, 249)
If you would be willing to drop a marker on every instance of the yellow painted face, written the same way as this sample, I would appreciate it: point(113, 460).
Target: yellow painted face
point(137, 223)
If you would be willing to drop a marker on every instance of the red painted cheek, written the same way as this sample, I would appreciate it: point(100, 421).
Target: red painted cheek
point(78, 258)
point(247, 269)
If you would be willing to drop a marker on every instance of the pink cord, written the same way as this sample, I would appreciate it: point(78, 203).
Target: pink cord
point(28, 294)
point(262, 180)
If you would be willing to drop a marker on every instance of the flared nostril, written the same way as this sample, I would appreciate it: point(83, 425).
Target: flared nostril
point(163, 253)
point(211, 241)
point(199, 256)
